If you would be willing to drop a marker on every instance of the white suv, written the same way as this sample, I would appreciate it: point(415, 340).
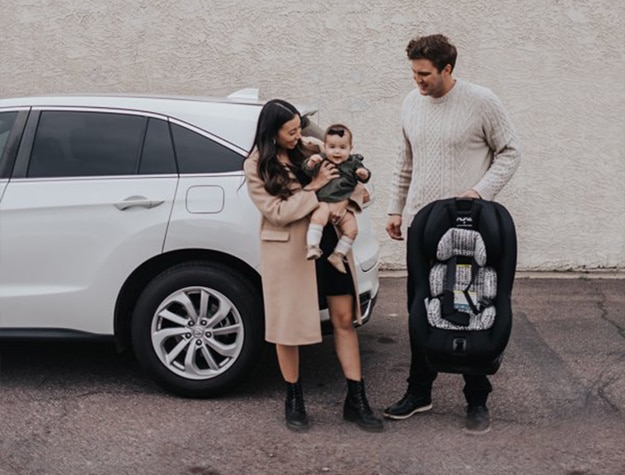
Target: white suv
point(127, 218)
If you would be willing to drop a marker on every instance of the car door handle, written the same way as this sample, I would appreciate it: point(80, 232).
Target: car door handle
point(138, 201)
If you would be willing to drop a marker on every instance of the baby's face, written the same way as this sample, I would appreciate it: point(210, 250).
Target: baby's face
point(338, 148)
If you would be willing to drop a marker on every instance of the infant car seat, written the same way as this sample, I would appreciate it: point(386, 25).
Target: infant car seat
point(461, 262)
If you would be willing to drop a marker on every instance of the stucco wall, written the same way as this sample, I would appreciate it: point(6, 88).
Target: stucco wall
point(558, 66)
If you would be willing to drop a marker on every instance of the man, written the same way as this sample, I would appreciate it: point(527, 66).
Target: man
point(457, 141)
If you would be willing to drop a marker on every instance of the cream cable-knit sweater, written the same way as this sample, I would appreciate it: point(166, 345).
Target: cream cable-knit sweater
point(451, 144)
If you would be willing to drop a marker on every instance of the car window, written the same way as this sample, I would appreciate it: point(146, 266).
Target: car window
point(86, 144)
point(199, 154)
point(6, 123)
point(158, 151)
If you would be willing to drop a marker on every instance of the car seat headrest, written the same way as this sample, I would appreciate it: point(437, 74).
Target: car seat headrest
point(461, 242)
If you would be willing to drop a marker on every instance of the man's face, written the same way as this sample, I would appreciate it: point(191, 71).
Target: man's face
point(429, 81)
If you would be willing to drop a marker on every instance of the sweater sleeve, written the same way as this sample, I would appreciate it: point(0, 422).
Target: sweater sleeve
point(502, 139)
point(402, 174)
point(276, 210)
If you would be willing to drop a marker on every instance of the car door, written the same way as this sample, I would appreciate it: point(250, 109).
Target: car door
point(88, 202)
point(212, 210)
point(11, 127)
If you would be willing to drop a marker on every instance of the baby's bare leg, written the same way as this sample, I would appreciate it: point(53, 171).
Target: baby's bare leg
point(321, 215)
point(348, 226)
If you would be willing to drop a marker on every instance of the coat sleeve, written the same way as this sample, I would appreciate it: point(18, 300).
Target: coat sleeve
point(358, 198)
point(276, 210)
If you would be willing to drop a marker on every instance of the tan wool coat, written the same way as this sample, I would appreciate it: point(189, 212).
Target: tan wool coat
point(288, 279)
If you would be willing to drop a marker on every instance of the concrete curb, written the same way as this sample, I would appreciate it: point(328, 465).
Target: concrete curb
point(595, 274)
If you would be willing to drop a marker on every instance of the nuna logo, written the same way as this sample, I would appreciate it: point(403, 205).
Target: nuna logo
point(464, 222)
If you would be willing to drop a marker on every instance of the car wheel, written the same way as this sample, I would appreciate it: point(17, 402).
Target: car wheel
point(197, 329)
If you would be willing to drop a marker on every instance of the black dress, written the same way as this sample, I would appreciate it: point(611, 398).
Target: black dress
point(329, 280)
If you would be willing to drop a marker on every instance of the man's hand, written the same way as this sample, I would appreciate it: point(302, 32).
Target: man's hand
point(470, 194)
point(393, 227)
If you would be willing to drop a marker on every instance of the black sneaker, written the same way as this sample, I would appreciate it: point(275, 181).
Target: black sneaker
point(478, 420)
point(407, 406)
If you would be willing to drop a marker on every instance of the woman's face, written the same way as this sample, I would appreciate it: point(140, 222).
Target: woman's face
point(289, 134)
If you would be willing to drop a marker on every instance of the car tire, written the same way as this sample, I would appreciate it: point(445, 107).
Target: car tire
point(197, 328)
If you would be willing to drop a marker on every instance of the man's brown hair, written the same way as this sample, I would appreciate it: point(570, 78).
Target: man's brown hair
point(435, 48)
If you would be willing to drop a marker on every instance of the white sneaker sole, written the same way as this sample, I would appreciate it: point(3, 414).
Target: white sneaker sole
point(406, 416)
point(476, 432)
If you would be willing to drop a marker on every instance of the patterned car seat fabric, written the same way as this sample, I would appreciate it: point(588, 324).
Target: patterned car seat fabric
point(474, 288)
point(462, 260)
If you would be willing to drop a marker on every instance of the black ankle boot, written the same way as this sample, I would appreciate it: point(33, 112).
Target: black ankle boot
point(294, 410)
point(356, 408)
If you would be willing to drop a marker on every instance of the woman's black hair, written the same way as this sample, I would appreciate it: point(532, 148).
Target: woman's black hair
point(273, 116)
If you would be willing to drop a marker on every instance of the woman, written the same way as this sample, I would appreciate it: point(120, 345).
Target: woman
point(285, 198)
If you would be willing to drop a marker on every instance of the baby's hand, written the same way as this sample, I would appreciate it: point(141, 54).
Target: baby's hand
point(362, 173)
point(314, 159)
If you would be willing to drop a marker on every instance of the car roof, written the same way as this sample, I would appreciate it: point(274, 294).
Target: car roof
point(232, 118)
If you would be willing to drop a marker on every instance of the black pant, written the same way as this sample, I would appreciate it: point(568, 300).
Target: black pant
point(476, 387)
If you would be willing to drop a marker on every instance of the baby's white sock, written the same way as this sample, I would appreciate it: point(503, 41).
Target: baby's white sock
point(344, 245)
point(313, 236)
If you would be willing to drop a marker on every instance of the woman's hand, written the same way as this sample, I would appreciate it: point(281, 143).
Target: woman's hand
point(366, 196)
point(327, 172)
point(313, 160)
point(312, 144)
point(337, 211)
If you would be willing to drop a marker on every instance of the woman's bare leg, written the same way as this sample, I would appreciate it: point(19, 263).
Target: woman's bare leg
point(288, 360)
point(341, 310)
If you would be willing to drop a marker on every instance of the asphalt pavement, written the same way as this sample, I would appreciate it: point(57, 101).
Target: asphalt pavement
point(558, 405)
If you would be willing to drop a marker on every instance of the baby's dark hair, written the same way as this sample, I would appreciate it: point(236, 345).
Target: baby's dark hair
point(436, 48)
point(338, 129)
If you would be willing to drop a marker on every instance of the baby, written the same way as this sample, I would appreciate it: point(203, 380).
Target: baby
point(338, 147)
